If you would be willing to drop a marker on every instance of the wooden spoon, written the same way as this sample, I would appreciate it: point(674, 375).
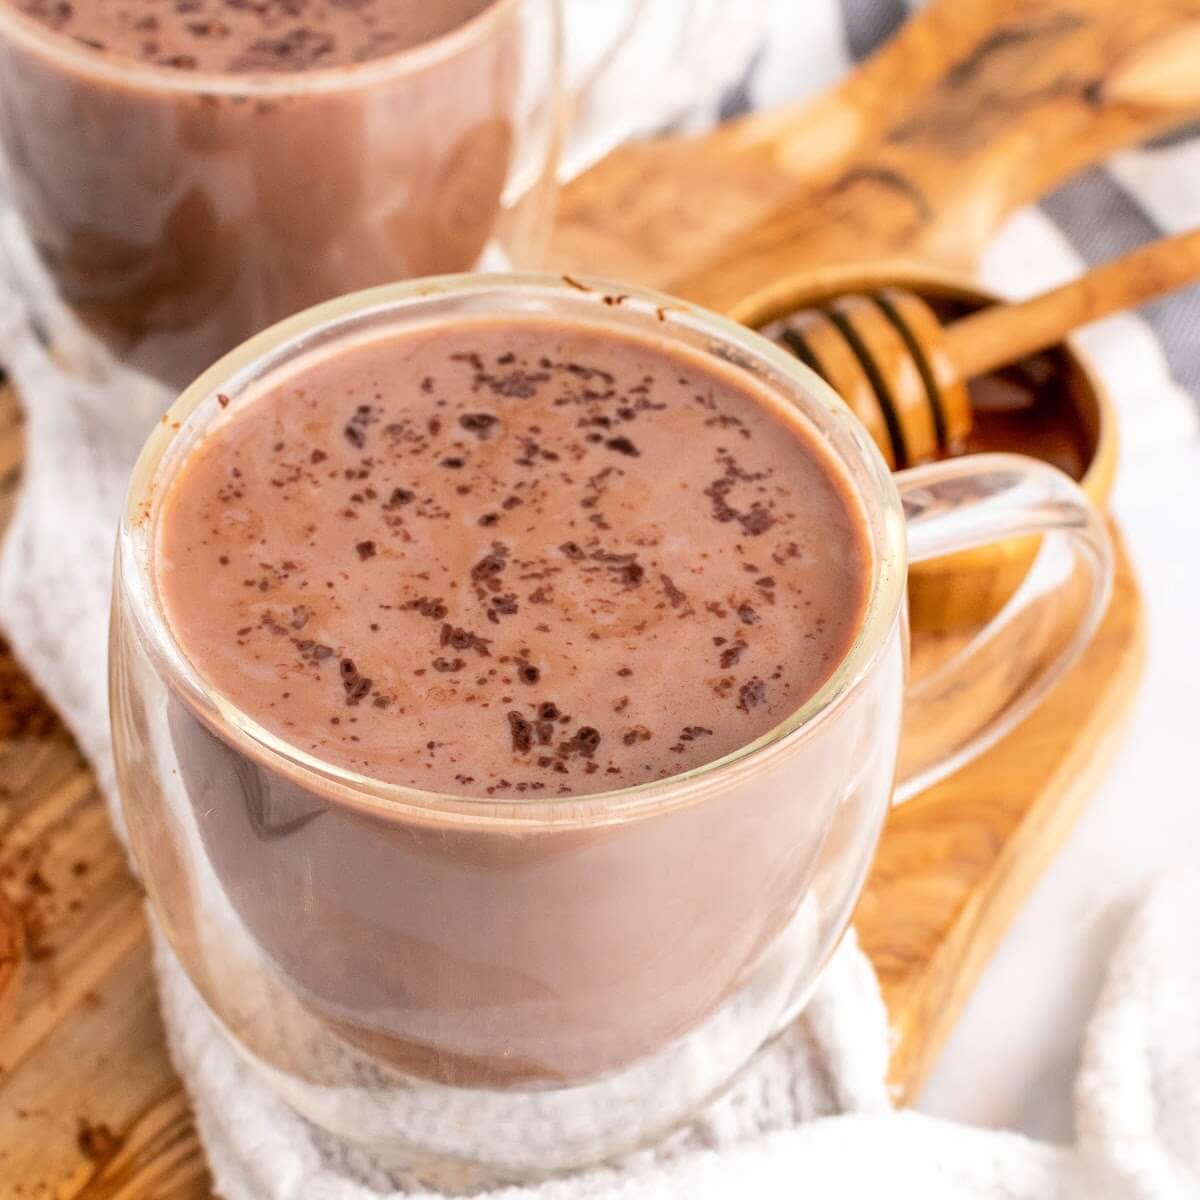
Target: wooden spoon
point(905, 375)
point(974, 108)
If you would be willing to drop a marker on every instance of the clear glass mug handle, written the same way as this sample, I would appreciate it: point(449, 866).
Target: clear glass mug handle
point(971, 700)
point(612, 47)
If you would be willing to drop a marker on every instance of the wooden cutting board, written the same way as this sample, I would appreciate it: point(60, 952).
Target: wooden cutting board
point(978, 106)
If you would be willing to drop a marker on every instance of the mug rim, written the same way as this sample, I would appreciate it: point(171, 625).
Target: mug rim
point(128, 71)
point(255, 359)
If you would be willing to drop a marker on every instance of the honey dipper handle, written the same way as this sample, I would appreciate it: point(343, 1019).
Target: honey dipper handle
point(995, 336)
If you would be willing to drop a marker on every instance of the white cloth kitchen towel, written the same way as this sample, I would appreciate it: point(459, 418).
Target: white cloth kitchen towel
point(1138, 1112)
point(811, 1117)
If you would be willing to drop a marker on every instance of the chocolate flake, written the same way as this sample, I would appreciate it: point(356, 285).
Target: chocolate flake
point(622, 445)
point(297, 49)
point(491, 564)
point(521, 731)
point(428, 606)
point(731, 654)
point(464, 639)
point(355, 685)
point(479, 423)
point(757, 521)
point(674, 595)
point(585, 742)
point(505, 606)
point(355, 431)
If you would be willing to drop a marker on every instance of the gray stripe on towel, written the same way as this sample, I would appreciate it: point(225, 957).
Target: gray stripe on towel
point(1101, 220)
point(738, 99)
point(869, 23)
point(1175, 137)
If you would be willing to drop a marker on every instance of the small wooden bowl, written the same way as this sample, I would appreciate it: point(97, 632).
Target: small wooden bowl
point(1072, 426)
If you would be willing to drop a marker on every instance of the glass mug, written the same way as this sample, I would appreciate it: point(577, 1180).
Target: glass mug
point(177, 212)
point(532, 985)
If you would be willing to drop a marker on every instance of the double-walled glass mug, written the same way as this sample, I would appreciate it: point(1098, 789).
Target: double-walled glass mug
point(178, 211)
point(532, 985)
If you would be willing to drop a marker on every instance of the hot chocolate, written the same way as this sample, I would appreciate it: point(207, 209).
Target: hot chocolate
point(193, 170)
point(510, 560)
point(511, 557)
point(252, 35)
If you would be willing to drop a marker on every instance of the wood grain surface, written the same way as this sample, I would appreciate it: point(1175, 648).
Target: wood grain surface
point(978, 106)
point(974, 108)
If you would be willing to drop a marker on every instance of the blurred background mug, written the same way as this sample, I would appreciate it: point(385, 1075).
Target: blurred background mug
point(177, 209)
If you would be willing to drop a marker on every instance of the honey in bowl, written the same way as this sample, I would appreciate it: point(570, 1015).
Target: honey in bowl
point(1050, 406)
point(1047, 405)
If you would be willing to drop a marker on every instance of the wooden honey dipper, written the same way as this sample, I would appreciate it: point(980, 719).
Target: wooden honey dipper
point(904, 374)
